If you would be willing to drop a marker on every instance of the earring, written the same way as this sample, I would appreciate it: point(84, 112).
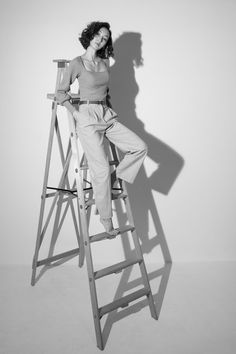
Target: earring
point(106, 52)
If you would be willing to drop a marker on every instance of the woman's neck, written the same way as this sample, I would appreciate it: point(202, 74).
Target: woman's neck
point(90, 54)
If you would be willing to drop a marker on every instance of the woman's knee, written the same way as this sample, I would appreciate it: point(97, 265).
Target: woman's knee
point(103, 171)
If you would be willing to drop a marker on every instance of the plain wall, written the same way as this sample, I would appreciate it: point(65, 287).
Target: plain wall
point(173, 83)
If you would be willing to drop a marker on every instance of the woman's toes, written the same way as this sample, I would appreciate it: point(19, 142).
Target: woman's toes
point(113, 233)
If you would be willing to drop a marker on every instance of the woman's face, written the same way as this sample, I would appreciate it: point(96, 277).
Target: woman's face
point(100, 39)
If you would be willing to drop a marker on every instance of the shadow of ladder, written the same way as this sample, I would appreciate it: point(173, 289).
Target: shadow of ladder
point(83, 194)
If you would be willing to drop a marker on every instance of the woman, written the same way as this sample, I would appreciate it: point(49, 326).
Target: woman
point(95, 120)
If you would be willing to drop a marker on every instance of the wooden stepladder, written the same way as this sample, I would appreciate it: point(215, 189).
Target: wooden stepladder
point(81, 190)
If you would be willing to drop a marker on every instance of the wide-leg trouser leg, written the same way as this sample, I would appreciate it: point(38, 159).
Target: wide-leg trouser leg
point(93, 145)
point(134, 148)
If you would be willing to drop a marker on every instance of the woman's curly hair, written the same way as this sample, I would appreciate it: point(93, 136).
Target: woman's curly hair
point(88, 34)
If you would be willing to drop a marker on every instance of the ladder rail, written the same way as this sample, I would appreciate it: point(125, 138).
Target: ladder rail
point(138, 248)
point(66, 184)
point(84, 229)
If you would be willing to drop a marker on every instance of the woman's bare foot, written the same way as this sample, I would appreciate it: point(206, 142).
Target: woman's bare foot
point(108, 225)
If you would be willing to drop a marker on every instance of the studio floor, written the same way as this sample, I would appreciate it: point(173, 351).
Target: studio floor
point(195, 302)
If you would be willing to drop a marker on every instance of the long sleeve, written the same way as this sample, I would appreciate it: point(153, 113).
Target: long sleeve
point(70, 74)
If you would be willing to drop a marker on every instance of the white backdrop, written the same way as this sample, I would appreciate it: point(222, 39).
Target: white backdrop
point(185, 111)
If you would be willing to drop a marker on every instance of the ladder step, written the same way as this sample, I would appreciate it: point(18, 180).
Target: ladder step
point(123, 301)
point(105, 235)
point(116, 268)
point(73, 252)
point(72, 191)
point(111, 163)
point(116, 196)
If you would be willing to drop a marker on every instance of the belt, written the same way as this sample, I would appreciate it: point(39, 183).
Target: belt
point(92, 102)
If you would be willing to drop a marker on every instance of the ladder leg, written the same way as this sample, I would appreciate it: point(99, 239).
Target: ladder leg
point(89, 263)
point(42, 229)
point(44, 191)
point(93, 295)
point(77, 231)
point(67, 185)
point(85, 234)
point(55, 231)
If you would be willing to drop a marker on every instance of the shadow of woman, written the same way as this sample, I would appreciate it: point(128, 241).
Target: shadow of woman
point(123, 90)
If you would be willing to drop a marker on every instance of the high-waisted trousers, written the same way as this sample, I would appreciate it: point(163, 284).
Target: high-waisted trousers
point(95, 122)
